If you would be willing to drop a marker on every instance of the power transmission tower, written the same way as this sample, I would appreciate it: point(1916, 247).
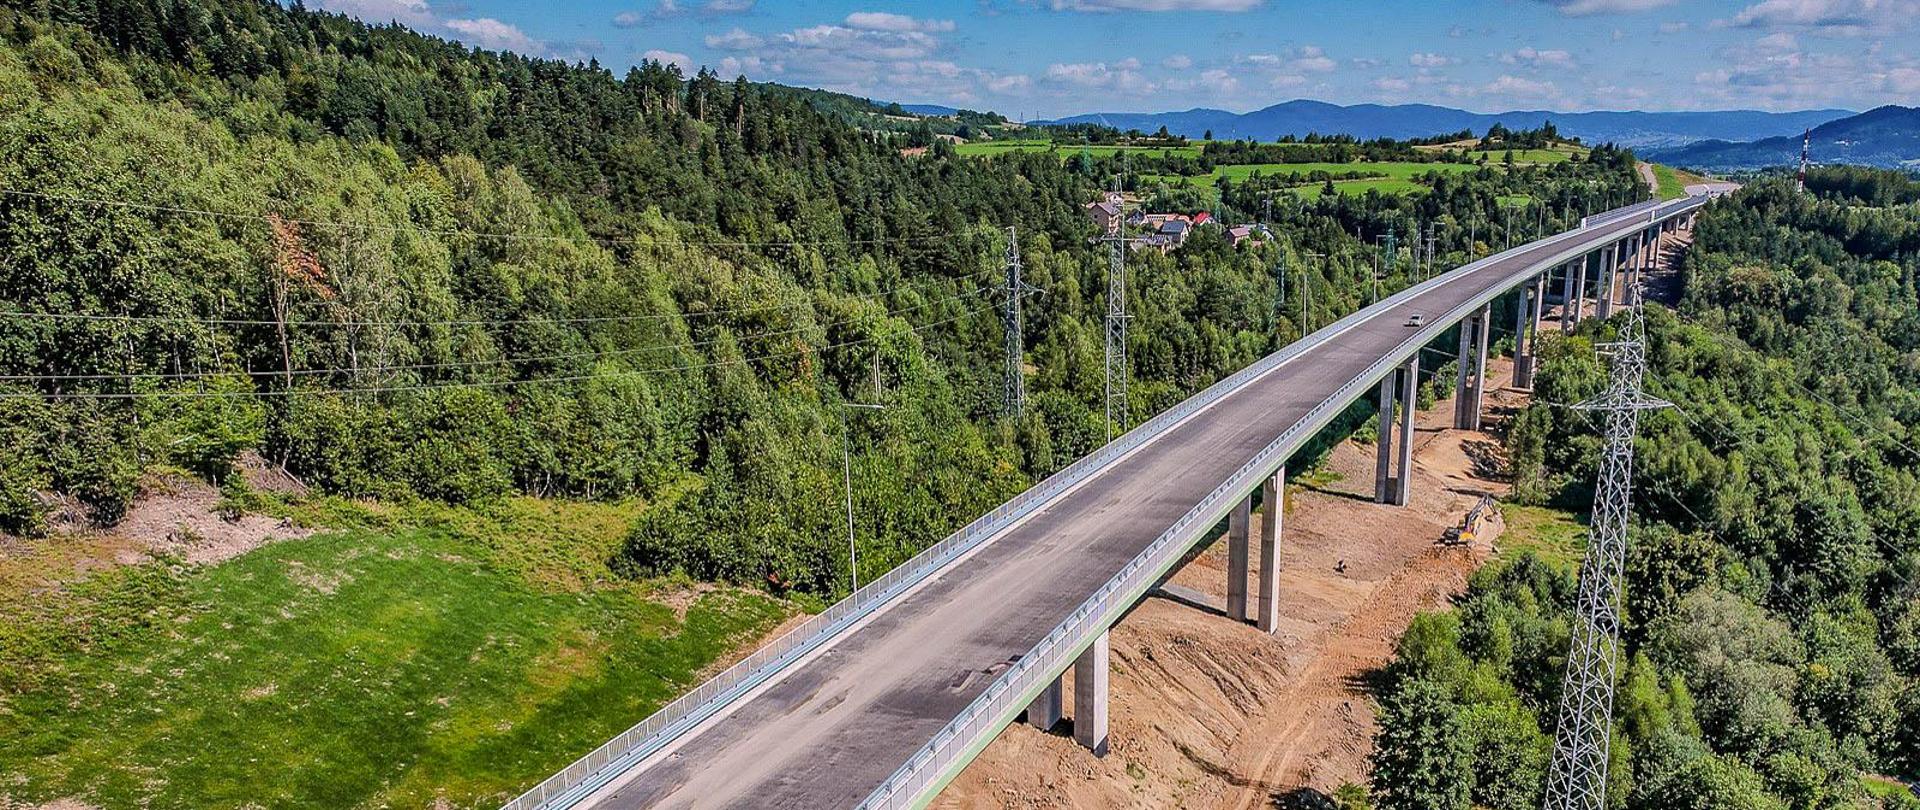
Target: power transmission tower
point(1578, 779)
point(1015, 395)
point(1117, 369)
point(1116, 350)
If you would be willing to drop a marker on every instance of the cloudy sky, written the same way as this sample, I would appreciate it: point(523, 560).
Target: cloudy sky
point(1048, 58)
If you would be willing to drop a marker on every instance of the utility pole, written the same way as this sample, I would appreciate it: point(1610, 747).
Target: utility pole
point(846, 468)
point(1393, 250)
point(1306, 296)
point(1578, 778)
point(1015, 395)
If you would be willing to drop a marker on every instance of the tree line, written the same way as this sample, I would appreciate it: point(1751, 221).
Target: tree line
point(1771, 624)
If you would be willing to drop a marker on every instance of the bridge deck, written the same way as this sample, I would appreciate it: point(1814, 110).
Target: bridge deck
point(836, 725)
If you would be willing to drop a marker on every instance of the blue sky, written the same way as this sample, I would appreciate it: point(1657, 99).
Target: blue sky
point(1048, 58)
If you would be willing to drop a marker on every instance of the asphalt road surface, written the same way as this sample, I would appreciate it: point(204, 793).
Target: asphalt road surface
point(832, 728)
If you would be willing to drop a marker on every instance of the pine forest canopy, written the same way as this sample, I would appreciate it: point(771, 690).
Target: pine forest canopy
point(404, 268)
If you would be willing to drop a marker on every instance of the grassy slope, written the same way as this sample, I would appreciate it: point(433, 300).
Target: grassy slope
point(1673, 182)
point(367, 667)
point(1067, 150)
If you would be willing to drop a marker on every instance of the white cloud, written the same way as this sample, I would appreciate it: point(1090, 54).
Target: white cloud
point(1674, 27)
point(1157, 5)
point(406, 12)
point(681, 60)
point(1122, 76)
point(1778, 41)
point(1313, 60)
point(488, 32)
point(1582, 8)
point(888, 21)
point(728, 6)
point(1178, 61)
point(1220, 82)
point(628, 19)
point(1014, 83)
point(1534, 57)
point(735, 40)
point(1392, 84)
point(1431, 60)
point(1845, 17)
point(861, 43)
point(1509, 86)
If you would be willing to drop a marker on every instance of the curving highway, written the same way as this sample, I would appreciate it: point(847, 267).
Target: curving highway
point(832, 726)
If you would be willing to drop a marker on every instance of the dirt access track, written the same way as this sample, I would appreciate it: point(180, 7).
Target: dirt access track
point(1208, 712)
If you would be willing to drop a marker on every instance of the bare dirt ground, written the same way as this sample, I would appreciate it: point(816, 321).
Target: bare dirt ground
point(1208, 712)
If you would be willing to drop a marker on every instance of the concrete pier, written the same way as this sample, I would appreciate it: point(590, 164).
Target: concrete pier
point(1409, 403)
point(1273, 494)
point(1046, 709)
point(1238, 524)
point(1383, 444)
point(1522, 338)
point(1566, 297)
point(1090, 696)
point(1483, 325)
point(1463, 363)
point(1579, 308)
point(1610, 277)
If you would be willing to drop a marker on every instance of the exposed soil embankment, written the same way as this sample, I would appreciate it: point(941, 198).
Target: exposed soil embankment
point(1207, 712)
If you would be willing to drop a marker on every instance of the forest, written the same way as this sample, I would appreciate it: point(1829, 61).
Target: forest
point(404, 269)
point(1771, 626)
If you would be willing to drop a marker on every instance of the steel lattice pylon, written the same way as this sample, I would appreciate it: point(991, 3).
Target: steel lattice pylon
point(1117, 370)
point(1578, 778)
point(1015, 393)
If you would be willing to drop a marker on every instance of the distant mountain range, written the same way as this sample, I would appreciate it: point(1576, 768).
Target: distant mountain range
point(1887, 136)
point(1635, 129)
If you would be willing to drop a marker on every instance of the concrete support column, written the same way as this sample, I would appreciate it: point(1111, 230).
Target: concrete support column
point(1609, 278)
point(1383, 446)
point(1238, 524)
point(1463, 364)
point(1580, 289)
point(1045, 710)
point(1090, 697)
point(1566, 298)
point(1522, 342)
point(1273, 494)
point(1484, 323)
point(1409, 401)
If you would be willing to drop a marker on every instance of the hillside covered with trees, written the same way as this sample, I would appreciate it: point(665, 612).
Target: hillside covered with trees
point(1772, 612)
point(517, 300)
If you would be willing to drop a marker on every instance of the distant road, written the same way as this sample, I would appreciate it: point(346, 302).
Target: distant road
point(834, 725)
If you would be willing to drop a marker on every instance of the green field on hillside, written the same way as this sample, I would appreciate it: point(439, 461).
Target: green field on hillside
point(1398, 177)
point(359, 668)
point(1067, 150)
point(1673, 182)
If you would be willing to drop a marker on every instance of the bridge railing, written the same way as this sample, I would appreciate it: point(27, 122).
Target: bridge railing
point(1016, 687)
point(599, 766)
point(603, 764)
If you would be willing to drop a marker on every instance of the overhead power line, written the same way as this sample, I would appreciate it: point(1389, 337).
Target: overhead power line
point(486, 384)
point(498, 361)
point(193, 321)
point(454, 232)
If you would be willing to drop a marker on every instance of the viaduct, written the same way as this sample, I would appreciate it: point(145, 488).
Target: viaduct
point(880, 700)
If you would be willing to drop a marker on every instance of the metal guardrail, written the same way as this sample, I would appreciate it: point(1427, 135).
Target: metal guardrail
point(598, 767)
point(592, 771)
point(1016, 688)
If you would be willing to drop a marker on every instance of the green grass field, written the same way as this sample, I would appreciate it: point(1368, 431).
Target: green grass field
point(1550, 534)
point(1067, 150)
point(1398, 179)
point(1673, 182)
point(359, 668)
